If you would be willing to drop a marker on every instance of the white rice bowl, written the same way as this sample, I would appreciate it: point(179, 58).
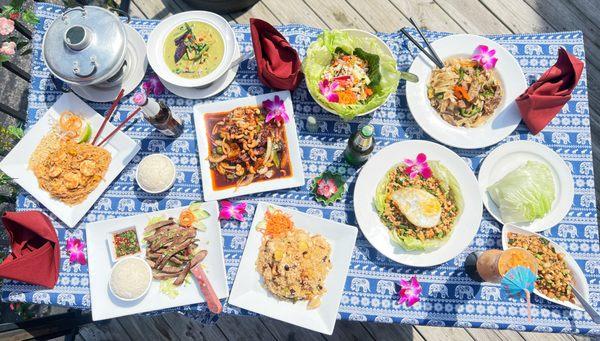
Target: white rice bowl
point(130, 278)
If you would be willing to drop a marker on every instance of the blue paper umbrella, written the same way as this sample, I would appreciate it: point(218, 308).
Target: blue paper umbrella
point(520, 280)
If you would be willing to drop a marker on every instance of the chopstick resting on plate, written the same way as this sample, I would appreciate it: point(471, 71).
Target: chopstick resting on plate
point(431, 54)
point(108, 115)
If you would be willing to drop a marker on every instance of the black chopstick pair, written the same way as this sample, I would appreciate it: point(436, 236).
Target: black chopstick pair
point(431, 53)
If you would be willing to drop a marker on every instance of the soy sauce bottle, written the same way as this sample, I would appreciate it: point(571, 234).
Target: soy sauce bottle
point(160, 116)
point(360, 146)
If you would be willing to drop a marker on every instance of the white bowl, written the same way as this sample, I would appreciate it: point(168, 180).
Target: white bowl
point(361, 33)
point(162, 30)
point(111, 245)
point(171, 181)
point(145, 265)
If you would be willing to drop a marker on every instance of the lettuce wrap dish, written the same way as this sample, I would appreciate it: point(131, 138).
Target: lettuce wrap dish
point(419, 202)
point(349, 74)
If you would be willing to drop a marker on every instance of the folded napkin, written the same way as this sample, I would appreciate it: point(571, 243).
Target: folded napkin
point(545, 98)
point(35, 255)
point(278, 64)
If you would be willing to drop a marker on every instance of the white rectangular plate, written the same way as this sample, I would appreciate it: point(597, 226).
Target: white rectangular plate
point(297, 178)
point(248, 292)
point(105, 305)
point(16, 163)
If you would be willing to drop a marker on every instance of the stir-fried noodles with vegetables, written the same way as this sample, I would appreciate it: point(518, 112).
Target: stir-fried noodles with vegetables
point(245, 149)
point(464, 93)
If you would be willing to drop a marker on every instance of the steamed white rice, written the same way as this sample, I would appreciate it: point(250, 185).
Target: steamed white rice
point(130, 278)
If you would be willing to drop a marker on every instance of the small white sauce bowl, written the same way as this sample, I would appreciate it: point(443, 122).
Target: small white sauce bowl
point(144, 264)
point(159, 190)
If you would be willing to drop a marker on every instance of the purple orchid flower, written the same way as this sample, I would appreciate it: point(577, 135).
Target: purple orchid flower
point(327, 89)
point(75, 249)
point(326, 188)
point(153, 86)
point(410, 291)
point(230, 210)
point(275, 110)
point(140, 98)
point(485, 57)
point(418, 166)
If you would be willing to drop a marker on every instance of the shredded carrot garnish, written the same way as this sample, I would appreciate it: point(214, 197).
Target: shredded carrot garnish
point(368, 91)
point(460, 92)
point(186, 218)
point(347, 97)
point(277, 223)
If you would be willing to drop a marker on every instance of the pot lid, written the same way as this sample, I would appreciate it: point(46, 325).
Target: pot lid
point(85, 45)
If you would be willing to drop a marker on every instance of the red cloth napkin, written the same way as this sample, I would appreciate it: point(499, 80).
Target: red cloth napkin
point(545, 98)
point(35, 253)
point(278, 64)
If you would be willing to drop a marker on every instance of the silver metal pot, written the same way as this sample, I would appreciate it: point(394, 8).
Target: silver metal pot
point(86, 46)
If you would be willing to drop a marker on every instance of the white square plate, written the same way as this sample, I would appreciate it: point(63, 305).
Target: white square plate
point(105, 305)
point(295, 180)
point(16, 163)
point(248, 292)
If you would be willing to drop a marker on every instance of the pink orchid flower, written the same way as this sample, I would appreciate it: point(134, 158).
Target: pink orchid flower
point(75, 249)
point(418, 166)
point(326, 188)
point(153, 86)
point(327, 89)
point(410, 291)
point(8, 48)
point(7, 26)
point(485, 57)
point(140, 98)
point(230, 210)
point(275, 110)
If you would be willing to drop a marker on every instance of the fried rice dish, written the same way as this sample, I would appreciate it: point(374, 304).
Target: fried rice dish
point(292, 263)
point(464, 93)
point(66, 169)
point(420, 212)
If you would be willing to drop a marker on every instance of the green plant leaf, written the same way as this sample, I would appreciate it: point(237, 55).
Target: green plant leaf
point(17, 4)
point(339, 182)
point(22, 44)
point(30, 17)
point(4, 58)
point(26, 52)
point(15, 132)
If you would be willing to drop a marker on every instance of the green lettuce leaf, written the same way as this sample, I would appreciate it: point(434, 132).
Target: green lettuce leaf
point(449, 183)
point(409, 243)
point(525, 194)
point(319, 55)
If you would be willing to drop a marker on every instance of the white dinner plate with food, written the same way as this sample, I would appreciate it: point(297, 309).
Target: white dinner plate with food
point(191, 49)
point(470, 120)
point(162, 293)
point(508, 158)
point(549, 250)
point(324, 248)
point(257, 156)
point(81, 188)
point(421, 220)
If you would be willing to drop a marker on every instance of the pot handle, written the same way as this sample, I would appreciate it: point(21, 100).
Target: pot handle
point(121, 12)
point(72, 9)
point(77, 69)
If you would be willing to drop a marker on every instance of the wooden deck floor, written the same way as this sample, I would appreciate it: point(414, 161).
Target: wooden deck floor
point(461, 16)
point(471, 16)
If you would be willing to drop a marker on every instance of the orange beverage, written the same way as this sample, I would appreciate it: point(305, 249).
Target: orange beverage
point(492, 265)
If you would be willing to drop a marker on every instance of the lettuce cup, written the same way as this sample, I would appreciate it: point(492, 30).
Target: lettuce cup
point(350, 72)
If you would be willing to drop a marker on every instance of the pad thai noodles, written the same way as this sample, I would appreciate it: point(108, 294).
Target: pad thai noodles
point(246, 149)
point(464, 93)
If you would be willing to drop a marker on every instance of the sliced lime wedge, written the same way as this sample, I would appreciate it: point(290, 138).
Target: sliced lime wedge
point(85, 134)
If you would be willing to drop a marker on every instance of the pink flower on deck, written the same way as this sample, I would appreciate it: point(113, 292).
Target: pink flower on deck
point(275, 110)
point(326, 187)
point(410, 291)
point(75, 249)
point(418, 166)
point(327, 89)
point(485, 57)
point(8, 48)
point(7, 26)
point(230, 210)
point(153, 86)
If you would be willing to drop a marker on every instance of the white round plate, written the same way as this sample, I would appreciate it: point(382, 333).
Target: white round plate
point(162, 30)
point(362, 34)
point(209, 90)
point(510, 156)
point(377, 233)
point(507, 116)
point(136, 69)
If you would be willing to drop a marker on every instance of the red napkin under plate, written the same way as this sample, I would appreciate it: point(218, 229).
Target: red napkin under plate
point(540, 103)
point(278, 64)
point(35, 255)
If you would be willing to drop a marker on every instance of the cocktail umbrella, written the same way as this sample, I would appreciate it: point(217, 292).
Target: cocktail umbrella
point(520, 281)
